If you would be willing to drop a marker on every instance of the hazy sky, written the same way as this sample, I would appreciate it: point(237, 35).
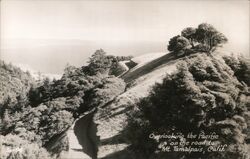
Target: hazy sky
point(123, 20)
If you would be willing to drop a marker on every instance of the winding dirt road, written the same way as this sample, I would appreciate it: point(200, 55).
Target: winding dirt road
point(83, 142)
point(75, 149)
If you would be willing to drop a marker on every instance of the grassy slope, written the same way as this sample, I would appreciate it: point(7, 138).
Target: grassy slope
point(145, 65)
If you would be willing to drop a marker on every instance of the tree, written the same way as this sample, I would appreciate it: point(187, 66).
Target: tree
point(205, 38)
point(208, 35)
point(99, 63)
point(57, 122)
point(69, 71)
point(240, 66)
point(178, 43)
point(190, 34)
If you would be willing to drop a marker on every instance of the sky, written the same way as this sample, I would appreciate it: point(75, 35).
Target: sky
point(34, 29)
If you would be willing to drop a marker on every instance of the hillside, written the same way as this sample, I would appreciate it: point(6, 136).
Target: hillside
point(112, 118)
point(71, 98)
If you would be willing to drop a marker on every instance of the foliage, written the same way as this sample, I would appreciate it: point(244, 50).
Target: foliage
point(110, 88)
point(99, 63)
point(117, 69)
point(178, 43)
point(14, 84)
point(14, 147)
point(203, 95)
point(241, 69)
point(208, 35)
point(201, 48)
point(123, 58)
point(204, 38)
point(189, 33)
point(240, 66)
point(40, 112)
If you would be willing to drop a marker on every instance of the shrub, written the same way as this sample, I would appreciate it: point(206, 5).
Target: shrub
point(14, 147)
point(110, 88)
point(240, 66)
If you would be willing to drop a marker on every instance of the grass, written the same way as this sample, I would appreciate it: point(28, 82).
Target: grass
point(132, 75)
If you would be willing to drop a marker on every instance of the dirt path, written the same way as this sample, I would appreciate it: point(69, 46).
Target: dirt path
point(75, 149)
point(85, 130)
point(123, 63)
point(82, 139)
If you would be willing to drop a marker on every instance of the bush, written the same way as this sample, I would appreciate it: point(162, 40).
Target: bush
point(240, 66)
point(117, 69)
point(110, 88)
point(14, 147)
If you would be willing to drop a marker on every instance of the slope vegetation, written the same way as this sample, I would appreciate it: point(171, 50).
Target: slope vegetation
point(13, 81)
point(112, 118)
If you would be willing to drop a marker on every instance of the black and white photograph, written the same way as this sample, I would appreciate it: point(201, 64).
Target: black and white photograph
point(124, 79)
